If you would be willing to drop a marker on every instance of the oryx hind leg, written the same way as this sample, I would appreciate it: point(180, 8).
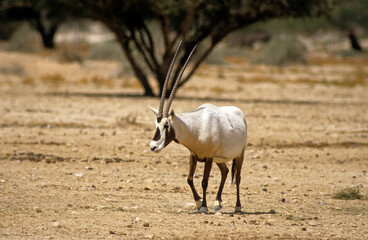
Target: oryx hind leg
point(224, 171)
point(238, 162)
point(192, 168)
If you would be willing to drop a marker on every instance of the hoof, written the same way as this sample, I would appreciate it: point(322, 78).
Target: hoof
point(199, 203)
point(238, 210)
point(217, 208)
point(217, 205)
point(203, 210)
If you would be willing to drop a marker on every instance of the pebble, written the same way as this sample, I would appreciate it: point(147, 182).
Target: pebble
point(146, 224)
point(149, 236)
point(88, 167)
point(80, 175)
point(37, 209)
point(56, 224)
point(313, 223)
point(189, 205)
point(218, 214)
point(137, 219)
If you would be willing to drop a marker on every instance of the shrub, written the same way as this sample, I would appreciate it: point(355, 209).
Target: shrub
point(283, 51)
point(72, 51)
point(108, 50)
point(348, 194)
point(24, 39)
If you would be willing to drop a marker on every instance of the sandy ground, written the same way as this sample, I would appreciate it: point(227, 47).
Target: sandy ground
point(75, 161)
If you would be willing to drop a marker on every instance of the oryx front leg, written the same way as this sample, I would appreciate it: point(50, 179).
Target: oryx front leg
point(192, 168)
point(206, 175)
point(224, 171)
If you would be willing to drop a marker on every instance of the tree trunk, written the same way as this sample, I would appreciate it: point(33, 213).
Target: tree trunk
point(47, 35)
point(354, 43)
point(137, 70)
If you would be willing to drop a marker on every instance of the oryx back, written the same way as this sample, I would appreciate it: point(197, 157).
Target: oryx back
point(218, 132)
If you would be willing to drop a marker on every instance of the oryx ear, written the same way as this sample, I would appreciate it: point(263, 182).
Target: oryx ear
point(154, 110)
point(172, 113)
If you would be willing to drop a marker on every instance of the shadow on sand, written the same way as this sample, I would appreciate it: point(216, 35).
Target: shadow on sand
point(238, 213)
point(204, 99)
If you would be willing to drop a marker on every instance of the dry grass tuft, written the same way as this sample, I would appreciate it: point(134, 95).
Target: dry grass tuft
point(55, 78)
point(348, 194)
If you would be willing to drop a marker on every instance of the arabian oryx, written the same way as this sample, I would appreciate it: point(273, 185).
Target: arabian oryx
point(212, 134)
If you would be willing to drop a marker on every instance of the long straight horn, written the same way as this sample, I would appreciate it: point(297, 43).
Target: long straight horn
point(173, 90)
point(163, 94)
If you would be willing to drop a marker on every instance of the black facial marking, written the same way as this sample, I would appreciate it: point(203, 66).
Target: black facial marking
point(157, 135)
point(170, 135)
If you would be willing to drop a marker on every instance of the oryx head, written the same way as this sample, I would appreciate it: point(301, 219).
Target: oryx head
point(165, 133)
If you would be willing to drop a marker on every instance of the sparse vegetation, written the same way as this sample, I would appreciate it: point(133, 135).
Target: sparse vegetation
point(72, 51)
point(13, 69)
point(283, 51)
point(108, 50)
point(24, 39)
point(351, 193)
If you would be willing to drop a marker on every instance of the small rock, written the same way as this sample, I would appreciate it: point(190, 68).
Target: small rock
point(282, 200)
point(56, 224)
point(264, 189)
point(137, 219)
point(313, 223)
point(147, 188)
point(80, 175)
point(304, 229)
point(189, 205)
point(112, 232)
point(135, 207)
point(218, 214)
point(2, 181)
point(88, 168)
point(146, 224)
point(37, 209)
point(149, 236)
point(92, 187)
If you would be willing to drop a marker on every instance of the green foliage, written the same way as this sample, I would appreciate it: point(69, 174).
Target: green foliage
point(108, 50)
point(350, 14)
point(348, 194)
point(283, 51)
point(24, 39)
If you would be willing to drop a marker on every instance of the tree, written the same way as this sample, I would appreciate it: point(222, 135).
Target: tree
point(348, 16)
point(194, 21)
point(44, 15)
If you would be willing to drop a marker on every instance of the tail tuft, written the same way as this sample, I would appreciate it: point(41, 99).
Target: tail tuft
point(233, 172)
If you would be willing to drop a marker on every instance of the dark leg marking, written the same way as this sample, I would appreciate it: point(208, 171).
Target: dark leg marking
point(224, 171)
point(238, 165)
point(192, 168)
point(206, 175)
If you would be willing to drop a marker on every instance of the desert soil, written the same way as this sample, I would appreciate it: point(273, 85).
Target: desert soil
point(75, 160)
